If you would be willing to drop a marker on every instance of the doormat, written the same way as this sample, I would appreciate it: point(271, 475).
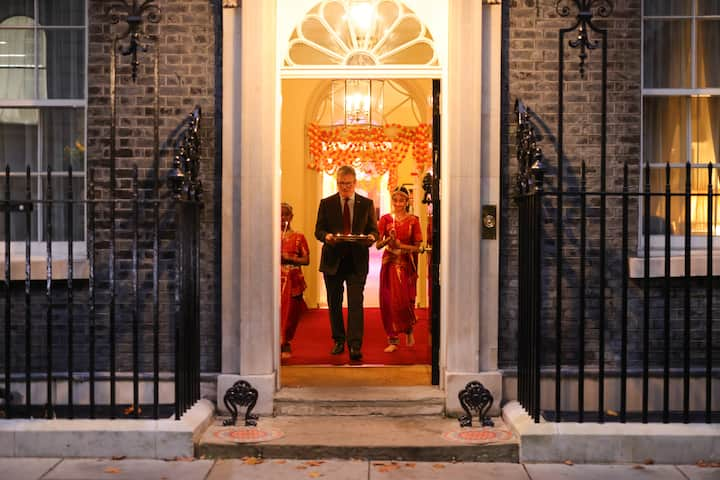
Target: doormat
point(247, 434)
point(478, 435)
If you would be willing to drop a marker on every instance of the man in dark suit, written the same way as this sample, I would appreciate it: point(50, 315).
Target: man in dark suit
point(345, 262)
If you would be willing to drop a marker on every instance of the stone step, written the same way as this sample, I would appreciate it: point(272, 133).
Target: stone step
point(333, 401)
point(407, 439)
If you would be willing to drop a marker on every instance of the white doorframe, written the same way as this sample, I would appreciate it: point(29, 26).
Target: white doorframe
point(251, 193)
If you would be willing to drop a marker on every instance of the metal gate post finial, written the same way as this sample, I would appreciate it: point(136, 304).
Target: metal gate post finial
point(538, 169)
point(475, 398)
point(241, 394)
point(133, 16)
point(184, 177)
point(585, 11)
point(531, 168)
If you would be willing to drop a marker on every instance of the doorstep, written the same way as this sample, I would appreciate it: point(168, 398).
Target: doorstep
point(161, 439)
point(362, 401)
point(409, 438)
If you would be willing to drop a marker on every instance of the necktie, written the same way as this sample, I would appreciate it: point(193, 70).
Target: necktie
point(347, 227)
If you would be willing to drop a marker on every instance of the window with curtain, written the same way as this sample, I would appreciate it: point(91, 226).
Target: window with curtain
point(681, 109)
point(43, 110)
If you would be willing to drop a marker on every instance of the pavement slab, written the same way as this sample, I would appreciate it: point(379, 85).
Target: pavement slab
point(25, 468)
point(289, 470)
point(131, 469)
point(693, 472)
point(603, 472)
point(437, 471)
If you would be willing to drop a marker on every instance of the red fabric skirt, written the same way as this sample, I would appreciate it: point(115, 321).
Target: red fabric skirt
point(397, 297)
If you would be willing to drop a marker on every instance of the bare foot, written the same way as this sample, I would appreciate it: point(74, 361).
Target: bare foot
point(410, 340)
point(390, 348)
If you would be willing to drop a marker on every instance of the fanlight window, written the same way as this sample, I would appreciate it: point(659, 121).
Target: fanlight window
point(361, 33)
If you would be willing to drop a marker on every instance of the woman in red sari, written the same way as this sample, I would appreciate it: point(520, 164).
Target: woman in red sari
point(401, 236)
point(294, 252)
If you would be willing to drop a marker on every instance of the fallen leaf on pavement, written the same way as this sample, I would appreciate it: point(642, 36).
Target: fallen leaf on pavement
point(314, 463)
point(438, 465)
point(131, 409)
point(648, 461)
point(314, 474)
point(388, 468)
point(112, 470)
point(118, 457)
point(410, 465)
point(638, 467)
point(252, 460)
point(568, 462)
point(301, 467)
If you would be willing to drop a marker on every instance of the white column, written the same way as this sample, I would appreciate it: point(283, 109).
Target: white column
point(490, 184)
point(249, 210)
point(469, 264)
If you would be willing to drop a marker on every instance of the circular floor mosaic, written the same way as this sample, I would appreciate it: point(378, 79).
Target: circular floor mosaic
point(478, 435)
point(247, 434)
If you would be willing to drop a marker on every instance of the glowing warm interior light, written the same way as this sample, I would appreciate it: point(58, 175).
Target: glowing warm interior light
point(362, 15)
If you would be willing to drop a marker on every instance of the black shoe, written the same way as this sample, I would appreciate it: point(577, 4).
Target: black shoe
point(355, 354)
point(338, 348)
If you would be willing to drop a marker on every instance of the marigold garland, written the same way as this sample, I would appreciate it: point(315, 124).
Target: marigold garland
point(373, 150)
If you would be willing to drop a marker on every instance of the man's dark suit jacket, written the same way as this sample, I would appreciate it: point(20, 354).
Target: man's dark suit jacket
point(330, 220)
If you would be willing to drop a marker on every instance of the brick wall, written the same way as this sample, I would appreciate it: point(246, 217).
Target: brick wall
point(189, 75)
point(531, 52)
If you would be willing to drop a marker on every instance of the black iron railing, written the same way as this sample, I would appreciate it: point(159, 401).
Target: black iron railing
point(528, 188)
point(586, 318)
point(130, 317)
point(653, 321)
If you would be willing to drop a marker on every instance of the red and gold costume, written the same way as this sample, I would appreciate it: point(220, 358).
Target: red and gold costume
point(398, 276)
point(292, 284)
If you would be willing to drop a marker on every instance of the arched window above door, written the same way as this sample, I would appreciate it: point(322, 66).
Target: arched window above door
point(361, 33)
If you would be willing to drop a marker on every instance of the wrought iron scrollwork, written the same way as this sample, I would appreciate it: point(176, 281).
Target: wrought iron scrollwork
point(475, 398)
point(133, 15)
point(244, 395)
point(531, 169)
point(184, 177)
point(585, 11)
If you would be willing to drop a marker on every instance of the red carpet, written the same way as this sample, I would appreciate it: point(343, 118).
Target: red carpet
point(313, 342)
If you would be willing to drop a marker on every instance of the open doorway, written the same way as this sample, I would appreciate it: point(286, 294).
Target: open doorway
point(393, 147)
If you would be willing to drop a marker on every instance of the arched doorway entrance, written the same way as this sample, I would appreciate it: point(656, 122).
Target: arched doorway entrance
point(389, 147)
point(383, 128)
point(468, 45)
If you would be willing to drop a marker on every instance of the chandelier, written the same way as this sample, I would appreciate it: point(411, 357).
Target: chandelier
point(357, 102)
point(351, 128)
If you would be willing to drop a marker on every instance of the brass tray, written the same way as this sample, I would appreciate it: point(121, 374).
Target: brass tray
point(351, 237)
